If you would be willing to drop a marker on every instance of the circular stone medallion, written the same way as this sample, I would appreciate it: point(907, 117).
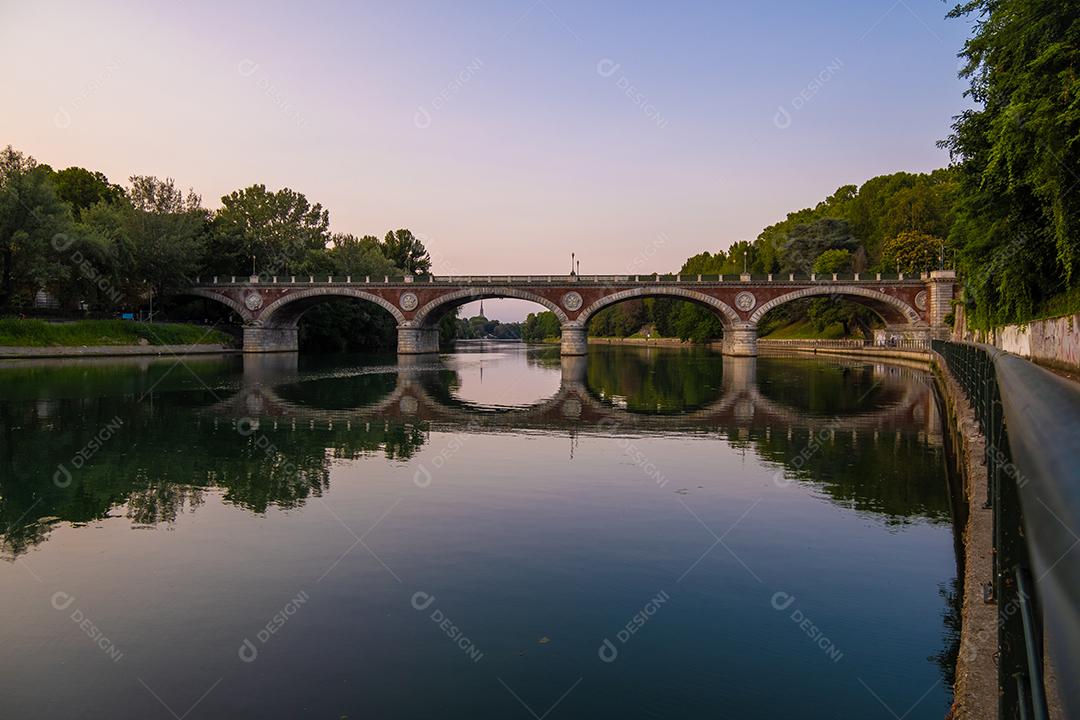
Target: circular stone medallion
point(408, 301)
point(920, 300)
point(745, 301)
point(571, 301)
point(253, 301)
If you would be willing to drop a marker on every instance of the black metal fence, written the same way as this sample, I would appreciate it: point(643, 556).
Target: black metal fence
point(1030, 419)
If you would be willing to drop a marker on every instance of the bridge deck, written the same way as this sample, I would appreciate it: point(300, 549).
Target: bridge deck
point(532, 280)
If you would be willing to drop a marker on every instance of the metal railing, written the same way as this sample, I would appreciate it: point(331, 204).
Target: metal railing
point(911, 344)
point(1030, 419)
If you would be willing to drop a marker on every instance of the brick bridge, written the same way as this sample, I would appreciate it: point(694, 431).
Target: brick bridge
point(912, 306)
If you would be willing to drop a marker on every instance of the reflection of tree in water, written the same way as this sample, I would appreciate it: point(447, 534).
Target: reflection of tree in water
point(952, 593)
point(657, 380)
point(150, 464)
point(822, 388)
point(896, 473)
point(163, 459)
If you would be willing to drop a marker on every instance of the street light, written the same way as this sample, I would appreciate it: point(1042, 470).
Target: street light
point(571, 263)
point(252, 266)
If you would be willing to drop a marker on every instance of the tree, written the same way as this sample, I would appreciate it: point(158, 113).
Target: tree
point(911, 251)
point(34, 227)
point(355, 256)
point(153, 195)
point(695, 323)
point(82, 188)
point(807, 241)
point(281, 229)
point(833, 261)
point(540, 326)
point(406, 251)
point(1017, 231)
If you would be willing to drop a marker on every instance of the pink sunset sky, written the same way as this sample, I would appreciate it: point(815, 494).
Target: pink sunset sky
point(505, 134)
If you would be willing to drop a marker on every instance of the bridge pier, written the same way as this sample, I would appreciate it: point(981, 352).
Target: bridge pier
point(261, 339)
point(574, 369)
point(574, 341)
point(740, 340)
point(417, 340)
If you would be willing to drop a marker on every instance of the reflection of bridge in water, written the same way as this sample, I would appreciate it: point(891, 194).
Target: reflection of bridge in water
point(908, 404)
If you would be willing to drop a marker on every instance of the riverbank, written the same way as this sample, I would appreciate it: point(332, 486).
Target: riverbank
point(975, 688)
point(27, 333)
point(649, 342)
point(809, 347)
point(21, 338)
point(11, 353)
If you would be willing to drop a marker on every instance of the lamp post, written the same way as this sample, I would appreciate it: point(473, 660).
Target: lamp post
point(252, 266)
point(571, 263)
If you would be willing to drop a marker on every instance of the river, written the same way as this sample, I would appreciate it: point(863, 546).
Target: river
point(496, 533)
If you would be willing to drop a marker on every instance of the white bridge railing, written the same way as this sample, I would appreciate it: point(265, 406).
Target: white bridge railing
point(779, 278)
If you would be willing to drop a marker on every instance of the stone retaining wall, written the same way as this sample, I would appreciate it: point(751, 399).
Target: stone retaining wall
point(1053, 342)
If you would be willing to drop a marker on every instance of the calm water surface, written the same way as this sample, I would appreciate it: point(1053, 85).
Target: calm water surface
point(493, 534)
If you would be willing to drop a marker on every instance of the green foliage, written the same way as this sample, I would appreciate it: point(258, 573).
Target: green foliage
point(807, 241)
point(880, 208)
point(540, 326)
point(32, 217)
point(1017, 234)
point(82, 188)
point(406, 251)
point(38, 333)
point(96, 246)
point(804, 330)
point(911, 251)
point(280, 229)
point(480, 327)
point(833, 261)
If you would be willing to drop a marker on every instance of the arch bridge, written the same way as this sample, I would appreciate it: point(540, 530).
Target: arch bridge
point(912, 306)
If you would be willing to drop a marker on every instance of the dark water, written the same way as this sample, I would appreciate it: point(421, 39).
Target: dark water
point(496, 534)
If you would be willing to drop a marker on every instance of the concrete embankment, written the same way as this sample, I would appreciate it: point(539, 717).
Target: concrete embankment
point(975, 690)
point(112, 350)
point(922, 357)
point(650, 342)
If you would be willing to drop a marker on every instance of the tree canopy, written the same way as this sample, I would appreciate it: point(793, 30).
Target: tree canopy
point(1017, 229)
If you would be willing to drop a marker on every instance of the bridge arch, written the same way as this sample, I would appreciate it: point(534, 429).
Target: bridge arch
point(727, 314)
point(428, 315)
point(221, 299)
point(286, 310)
point(891, 309)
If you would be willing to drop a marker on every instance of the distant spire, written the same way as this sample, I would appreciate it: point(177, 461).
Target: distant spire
point(482, 309)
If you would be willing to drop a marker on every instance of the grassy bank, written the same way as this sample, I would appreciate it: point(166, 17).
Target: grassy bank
point(805, 330)
point(38, 333)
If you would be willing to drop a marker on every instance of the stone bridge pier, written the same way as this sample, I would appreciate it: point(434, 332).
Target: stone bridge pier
point(417, 340)
point(261, 339)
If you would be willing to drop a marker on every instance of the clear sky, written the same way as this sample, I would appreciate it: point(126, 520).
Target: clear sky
point(505, 134)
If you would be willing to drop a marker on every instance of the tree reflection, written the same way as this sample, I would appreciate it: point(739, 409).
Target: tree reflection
point(865, 438)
